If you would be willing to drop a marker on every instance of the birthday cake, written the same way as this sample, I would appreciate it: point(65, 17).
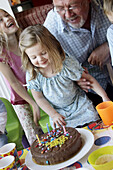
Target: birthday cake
point(56, 146)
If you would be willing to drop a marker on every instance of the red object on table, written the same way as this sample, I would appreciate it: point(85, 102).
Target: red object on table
point(22, 161)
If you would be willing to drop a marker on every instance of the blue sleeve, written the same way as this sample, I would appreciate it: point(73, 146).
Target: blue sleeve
point(110, 40)
point(32, 84)
point(72, 68)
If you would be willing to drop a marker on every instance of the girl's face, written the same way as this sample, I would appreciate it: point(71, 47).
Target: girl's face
point(38, 56)
point(7, 23)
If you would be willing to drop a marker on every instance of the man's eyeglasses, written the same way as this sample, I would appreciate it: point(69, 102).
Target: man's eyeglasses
point(74, 7)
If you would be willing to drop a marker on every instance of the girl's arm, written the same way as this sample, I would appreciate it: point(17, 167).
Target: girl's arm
point(58, 119)
point(96, 86)
point(19, 89)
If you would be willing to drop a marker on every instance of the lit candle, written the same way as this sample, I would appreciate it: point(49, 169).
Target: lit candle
point(38, 139)
point(64, 130)
point(47, 127)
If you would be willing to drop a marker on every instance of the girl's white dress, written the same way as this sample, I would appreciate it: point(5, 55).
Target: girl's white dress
point(64, 95)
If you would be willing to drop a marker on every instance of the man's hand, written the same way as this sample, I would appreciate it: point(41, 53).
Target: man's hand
point(100, 56)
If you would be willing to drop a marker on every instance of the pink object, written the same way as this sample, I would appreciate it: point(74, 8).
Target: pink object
point(64, 130)
point(15, 64)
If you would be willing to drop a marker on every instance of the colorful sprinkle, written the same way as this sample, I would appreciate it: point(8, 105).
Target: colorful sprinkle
point(47, 162)
point(47, 127)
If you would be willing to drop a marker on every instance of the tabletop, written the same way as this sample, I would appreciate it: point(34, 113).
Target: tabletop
point(103, 136)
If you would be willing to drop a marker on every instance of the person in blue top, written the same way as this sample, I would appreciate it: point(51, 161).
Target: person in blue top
point(3, 121)
point(108, 9)
point(52, 75)
point(81, 26)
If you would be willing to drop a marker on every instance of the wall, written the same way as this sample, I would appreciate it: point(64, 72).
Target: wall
point(5, 4)
point(39, 2)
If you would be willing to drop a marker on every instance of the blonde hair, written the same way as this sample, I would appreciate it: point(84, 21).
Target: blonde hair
point(39, 34)
point(4, 48)
point(3, 42)
point(108, 6)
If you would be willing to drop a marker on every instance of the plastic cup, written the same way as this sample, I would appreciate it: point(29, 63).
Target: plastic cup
point(8, 162)
point(10, 149)
point(105, 110)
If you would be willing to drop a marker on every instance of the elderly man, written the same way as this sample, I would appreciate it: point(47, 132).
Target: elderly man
point(81, 26)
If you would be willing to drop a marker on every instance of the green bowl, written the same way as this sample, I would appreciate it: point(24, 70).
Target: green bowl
point(104, 153)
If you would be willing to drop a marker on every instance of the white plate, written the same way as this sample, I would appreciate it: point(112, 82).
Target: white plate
point(88, 141)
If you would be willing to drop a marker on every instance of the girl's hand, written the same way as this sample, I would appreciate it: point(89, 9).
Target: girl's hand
point(36, 113)
point(105, 98)
point(84, 84)
point(58, 120)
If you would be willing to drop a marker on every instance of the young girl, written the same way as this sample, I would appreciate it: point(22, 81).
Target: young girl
point(52, 77)
point(10, 66)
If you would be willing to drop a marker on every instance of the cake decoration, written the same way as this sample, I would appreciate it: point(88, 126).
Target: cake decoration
point(47, 127)
point(38, 139)
point(56, 146)
point(54, 141)
point(64, 130)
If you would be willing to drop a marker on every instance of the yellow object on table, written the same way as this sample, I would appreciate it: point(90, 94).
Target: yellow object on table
point(101, 155)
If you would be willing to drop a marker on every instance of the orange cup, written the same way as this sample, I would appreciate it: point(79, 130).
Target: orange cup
point(105, 110)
